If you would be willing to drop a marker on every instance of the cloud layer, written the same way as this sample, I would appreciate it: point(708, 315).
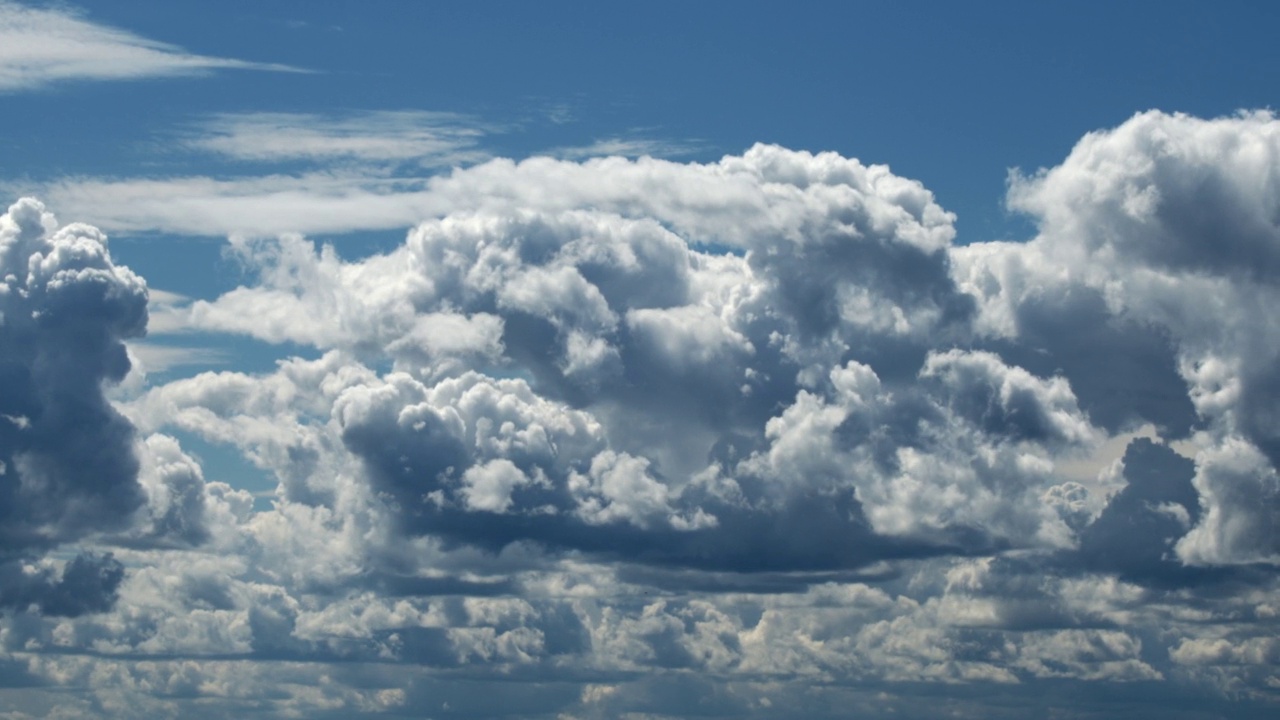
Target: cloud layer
point(753, 437)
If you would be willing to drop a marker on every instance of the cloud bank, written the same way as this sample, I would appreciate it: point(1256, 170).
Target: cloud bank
point(754, 437)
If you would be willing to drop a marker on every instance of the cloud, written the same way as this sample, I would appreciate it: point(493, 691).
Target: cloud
point(315, 202)
point(1160, 231)
point(71, 468)
point(44, 46)
point(87, 583)
point(627, 147)
point(66, 309)
point(175, 488)
point(623, 325)
point(760, 359)
point(1134, 535)
point(751, 436)
point(158, 358)
point(425, 138)
point(702, 198)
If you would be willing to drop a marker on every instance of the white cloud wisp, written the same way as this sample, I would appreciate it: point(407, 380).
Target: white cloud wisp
point(43, 46)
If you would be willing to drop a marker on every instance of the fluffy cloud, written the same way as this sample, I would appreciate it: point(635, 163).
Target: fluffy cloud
point(87, 583)
point(65, 309)
point(730, 376)
point(750, 435)
point(1164, 228)
point(71, 466)
point(674, 355)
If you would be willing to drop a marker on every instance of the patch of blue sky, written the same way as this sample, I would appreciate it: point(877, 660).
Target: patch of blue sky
point(225, 463)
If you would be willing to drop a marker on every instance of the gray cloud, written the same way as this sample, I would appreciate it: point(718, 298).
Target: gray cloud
point(87, 583)
point(69, 467)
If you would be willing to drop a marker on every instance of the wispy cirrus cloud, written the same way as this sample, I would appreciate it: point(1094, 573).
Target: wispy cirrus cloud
point(335, 172)
point(628, 147)
point(382, 137)
point(43, 46)
point(315, 202)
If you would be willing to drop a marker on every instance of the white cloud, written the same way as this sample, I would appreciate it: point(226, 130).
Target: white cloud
point(766, 190)
point(425, 138)
point(750, 431)
point(1163, 229)
point(627, 147)
point(319, 202)
point(149, 357)
point(41, 46)
point(489, 486)
point(1240, 490)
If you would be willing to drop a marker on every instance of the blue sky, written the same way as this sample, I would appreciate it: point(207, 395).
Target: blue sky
point(569, 360)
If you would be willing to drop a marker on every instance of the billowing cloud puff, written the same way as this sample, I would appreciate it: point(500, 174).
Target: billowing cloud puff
point(752, 435)
point(67, 467)
point(1163, 231)
point(712, 338)
point(69, 462)
point(671, 339)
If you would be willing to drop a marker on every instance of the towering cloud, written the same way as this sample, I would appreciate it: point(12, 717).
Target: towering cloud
point(1165, 232)
point(67, 455)
point(69, 468)
point(722, 341)
point(756, 432)
point(689, 371)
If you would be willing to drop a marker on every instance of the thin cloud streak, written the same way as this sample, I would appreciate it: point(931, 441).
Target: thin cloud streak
point(429, 139)
point(628, 147)
point(41, 47)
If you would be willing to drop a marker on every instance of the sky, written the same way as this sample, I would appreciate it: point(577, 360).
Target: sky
point(680, 360)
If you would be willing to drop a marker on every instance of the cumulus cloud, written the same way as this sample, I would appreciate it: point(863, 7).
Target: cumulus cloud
point(1163, 227)
point(615, 322)
point(87, 583)
point(72, 469)
point(737, 194)
point(735, 373)
point(41, 46)
point(65, 311)
point(752, 434)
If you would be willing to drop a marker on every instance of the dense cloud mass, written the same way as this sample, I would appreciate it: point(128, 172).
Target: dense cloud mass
point(67, 467)
point(67, 456)
point(71, 467)
point(755, 437)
